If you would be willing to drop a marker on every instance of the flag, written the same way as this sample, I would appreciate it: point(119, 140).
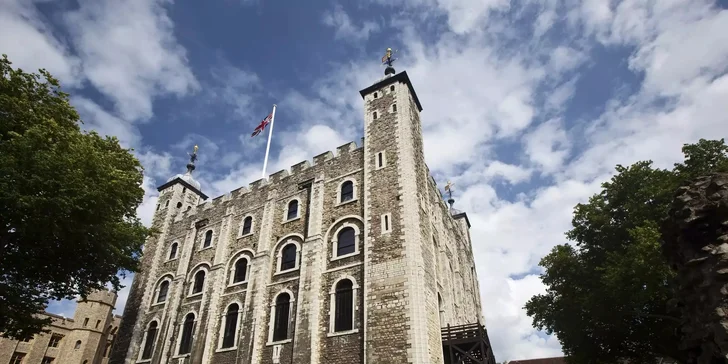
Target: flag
point(262, 125)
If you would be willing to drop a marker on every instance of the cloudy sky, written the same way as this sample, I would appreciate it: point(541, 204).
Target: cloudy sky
point(528, 105)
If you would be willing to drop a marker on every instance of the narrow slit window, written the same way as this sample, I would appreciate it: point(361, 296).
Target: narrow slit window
point(208, 239)
point(231, 323)
point(380, 159)
point(394, 108)
point(375, 115)
point(391, 88)
point(281, 317)
point(386, 223)
point(375, 95)
point(173, 251)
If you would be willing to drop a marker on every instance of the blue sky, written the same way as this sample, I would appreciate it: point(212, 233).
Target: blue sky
point(528, 105)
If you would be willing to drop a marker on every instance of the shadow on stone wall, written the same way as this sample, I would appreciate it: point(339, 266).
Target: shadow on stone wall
point(695, 242)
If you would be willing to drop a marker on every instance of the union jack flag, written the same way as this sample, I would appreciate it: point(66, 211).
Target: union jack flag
point(259, 129)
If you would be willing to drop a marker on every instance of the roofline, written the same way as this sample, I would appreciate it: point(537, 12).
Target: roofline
point(184, 183)
point(401, 77)
point(462, 214)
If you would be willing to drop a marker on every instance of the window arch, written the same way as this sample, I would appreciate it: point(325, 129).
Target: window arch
point(346, 243)
point(78, 345)
point(247, 226)
point(347, 191)
point(173, 250)
point(163, 291)
point(208, 239)
point(342, 303)
point(149, 341)
point(292, 211)
point(239, 271)
point(198, 282)
point(229, 326)
point(288, 257)
point(185, 342)
point(280, 316)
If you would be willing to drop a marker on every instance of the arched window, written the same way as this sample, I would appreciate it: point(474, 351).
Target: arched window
point(185, 343)
point(231, 323)
point(149, 340)
point(346, 242)
point(247, 225)
point(78, 345)
point(292, 210)
point(344, 310)
point(288, 257)
point(347, 191)
point(208, 239)
point(394, 107)
point(163, 291)
point(173, 251)
point(199, 282)
point(281, 317)
point(241, 270)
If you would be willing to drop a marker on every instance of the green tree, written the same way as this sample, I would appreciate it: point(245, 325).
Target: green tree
point(607, 297)
point(68, 202)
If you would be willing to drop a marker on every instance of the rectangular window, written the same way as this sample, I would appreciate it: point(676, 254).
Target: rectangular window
point(55, 340)
point(85, 322)
point(47, 360)
point(381, 160)
point(98, 322)
point(17, 358)
point(386, 223)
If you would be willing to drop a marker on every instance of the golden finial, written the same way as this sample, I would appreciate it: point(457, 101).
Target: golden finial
point(448, 186)
point(195, 150)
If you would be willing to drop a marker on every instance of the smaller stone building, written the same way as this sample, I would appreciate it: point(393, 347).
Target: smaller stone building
point(85, 339)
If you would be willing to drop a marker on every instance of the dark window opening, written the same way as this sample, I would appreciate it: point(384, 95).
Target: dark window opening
point(375, 115)
point(149, 344)
point(344, 310)
point(158, 206)
point(386, 223)
point(85, 322)
point(199, 282)
point(280, 323)
point(17, 358)
point(375, 95)
point(173, 251)
point(98, 322)
point(55, 340)
point(179, 204)
point(292, 210)
point(380, 159)
point(231, 323)
point(288, 257)
point(184, 189)
point(47, 360)
point(391, 88)
point(394, 108)
point(185, 344)
point(163, 290)
point(345, 242)
point(166, 204)
point(241, 270)
point(208, 239)
point(78, 345)
point(347, 191)
point(247, 225)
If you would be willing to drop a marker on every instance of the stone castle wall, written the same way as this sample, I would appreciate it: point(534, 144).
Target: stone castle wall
point(403, 287)
point(96, 337)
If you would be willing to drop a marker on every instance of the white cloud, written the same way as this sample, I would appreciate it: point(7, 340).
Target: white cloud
point(345, 28)
point(30, 44)
point(547, 145)
point(131, 58)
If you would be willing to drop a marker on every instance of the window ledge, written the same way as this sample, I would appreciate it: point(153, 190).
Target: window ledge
point(205, 248)
point(271, 343)
point(237, 284)
point(285, 271)
point(245, 235)
point(345, 256)
point(222, 350)
point(342, 333)
point(291, 220)
point(158, 303)
point(179, 356)
point(346, 202)
point(144, 361)
point(194, 295)
point(166, 261)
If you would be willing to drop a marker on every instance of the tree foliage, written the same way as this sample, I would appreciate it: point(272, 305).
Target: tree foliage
point(607, 297)
point(68, 202)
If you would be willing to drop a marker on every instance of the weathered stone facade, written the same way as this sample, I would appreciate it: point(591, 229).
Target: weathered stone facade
point(696, 243)
point(409, 272)
point(85, 339)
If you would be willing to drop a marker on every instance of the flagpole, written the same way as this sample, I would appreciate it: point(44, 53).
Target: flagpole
point(270, 134)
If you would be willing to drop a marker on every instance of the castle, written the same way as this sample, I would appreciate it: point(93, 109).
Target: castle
point(85, 339)
point(354, 258)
